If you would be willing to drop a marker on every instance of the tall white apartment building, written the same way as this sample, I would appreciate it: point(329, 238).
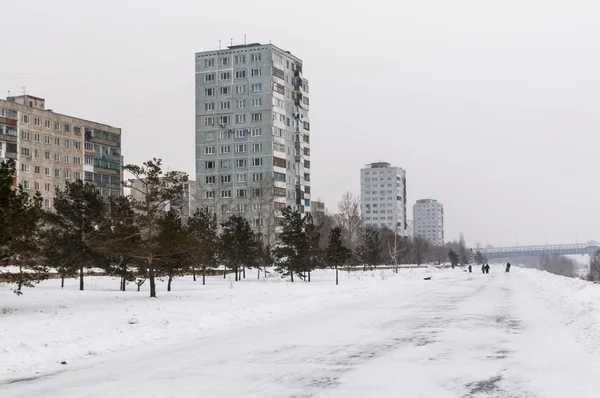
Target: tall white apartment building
point(383, 197)
point(428, 218)
point(252, 133)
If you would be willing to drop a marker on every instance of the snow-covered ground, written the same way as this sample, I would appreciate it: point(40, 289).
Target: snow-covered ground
point(378, 334)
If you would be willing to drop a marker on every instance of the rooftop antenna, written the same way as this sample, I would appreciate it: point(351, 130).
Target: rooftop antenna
point(24, 90)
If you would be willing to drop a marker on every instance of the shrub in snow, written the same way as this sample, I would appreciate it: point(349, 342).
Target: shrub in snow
point(133, 321)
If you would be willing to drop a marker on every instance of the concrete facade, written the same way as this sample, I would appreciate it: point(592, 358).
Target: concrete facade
point(252, 132)
point(51, 148)
point(428, 217)
point(383, 197)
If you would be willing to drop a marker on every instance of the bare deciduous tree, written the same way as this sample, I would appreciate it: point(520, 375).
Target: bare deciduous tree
point(349, 219)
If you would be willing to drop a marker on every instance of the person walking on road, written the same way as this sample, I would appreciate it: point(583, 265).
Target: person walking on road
point(470, 268)
point(487, 268)
point(507, 267)
point(483, 268)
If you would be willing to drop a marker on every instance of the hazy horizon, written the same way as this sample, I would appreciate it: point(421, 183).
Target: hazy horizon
point(492, 109)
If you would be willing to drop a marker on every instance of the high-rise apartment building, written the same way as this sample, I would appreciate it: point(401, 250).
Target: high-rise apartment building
point(51, 148)
point(252, 133)
point(383, 197)
point(428, 218)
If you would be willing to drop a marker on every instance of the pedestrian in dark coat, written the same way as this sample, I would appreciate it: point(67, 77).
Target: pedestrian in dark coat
point(483, 268)
point(507, 267)
point(487, 268)
point(470, 268)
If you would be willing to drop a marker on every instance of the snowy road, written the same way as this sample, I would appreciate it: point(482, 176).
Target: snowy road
point(460, 335)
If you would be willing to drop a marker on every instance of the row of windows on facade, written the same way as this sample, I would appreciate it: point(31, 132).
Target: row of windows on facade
point(256, 192)
point(374, 179)
point(391, 218)
point(239, 148)
point(237, 60)
point(224, 105)
point(48, 124)
point(381, 172)
point(256, 177)
point(382, 212)
point(240, 118)
point(255, 162)
point(26, 136)
point(382, 225)
point(375, 198)
point(374, 205)
point(103, 192)
point(257, 88)
point(380, 185)
point(237, 74)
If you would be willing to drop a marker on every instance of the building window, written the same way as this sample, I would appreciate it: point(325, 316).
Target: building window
point(257, 192)
point(77, 144)
point(241, 104)
point(36, 137)
point(209, 136)
point(256, 132)
point(37, 121)
point(209, 165)
point(209, 92)
point(240, 163)
point(67, 174)
point(256, 101)
point(257, 162)
point(47, 140)
point(256, 87)
point(24, 168)
point(56, 172)
point(257, 72)
point(37, 169)
point(47, 155)
point(209, 121)
point(209, 77)
point(47, 124)
point(240, 133)
point(209, 150)
point(26, 152)
point(241, 193)
point(225, 149)
point(57, 157)
point(225, 105)
point(25, 135)
point(226, 193)
point(67, 128)
point(77, 160)
point(240, 89)
point(239, 59)
point(25, 119)
point(240, 148)
point(209, 194)
point(278, 162)
point(47, 201)
point(223, 120)
point(57, 141)
point(209, 106)
point(255, 57)
point(67, 144)
point(225, 90)
point(241, 118)
point(225, 164)
point(240, 178)
point(257, 117)
point(240, 74)
point(209, 63)
point(279, 176)
point(226, 179)
point(47, 171)
point(257, 177)
point(224, 61)
point(67, 159)
point(257, 147)
point(57, 126)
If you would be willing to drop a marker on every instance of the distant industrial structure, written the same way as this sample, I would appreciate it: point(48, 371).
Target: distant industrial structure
point(542, 250)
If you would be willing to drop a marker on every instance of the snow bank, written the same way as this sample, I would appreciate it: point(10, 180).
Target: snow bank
point(48, 325)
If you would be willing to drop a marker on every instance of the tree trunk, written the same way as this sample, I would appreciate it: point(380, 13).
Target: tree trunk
point(292, 275)
point(244, 271)
point(224, 271)
point(204, 276)
point(169, 282)
point(139, 286)
point(309, 275)
point(62, 281)
point(151, 277)
point(20, 278)
point(258, 270)
point(236, 270)
point(81, 278)
point(336, 276)
point(194, 273)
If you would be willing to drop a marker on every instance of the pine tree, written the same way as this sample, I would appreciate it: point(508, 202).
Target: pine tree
point(21, 218)
point(174, 247)
point(314, 254)
point(337, 254)
point(369, 252)
point(202, 228)
point(156, 190)
point(237, 244)
point(453, 256)
point(290, 252)
point(73, 226)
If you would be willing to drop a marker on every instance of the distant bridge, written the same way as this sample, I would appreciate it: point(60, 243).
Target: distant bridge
point(528, 251)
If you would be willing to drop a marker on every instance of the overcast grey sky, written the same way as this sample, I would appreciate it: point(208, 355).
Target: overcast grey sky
point(492, 107)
